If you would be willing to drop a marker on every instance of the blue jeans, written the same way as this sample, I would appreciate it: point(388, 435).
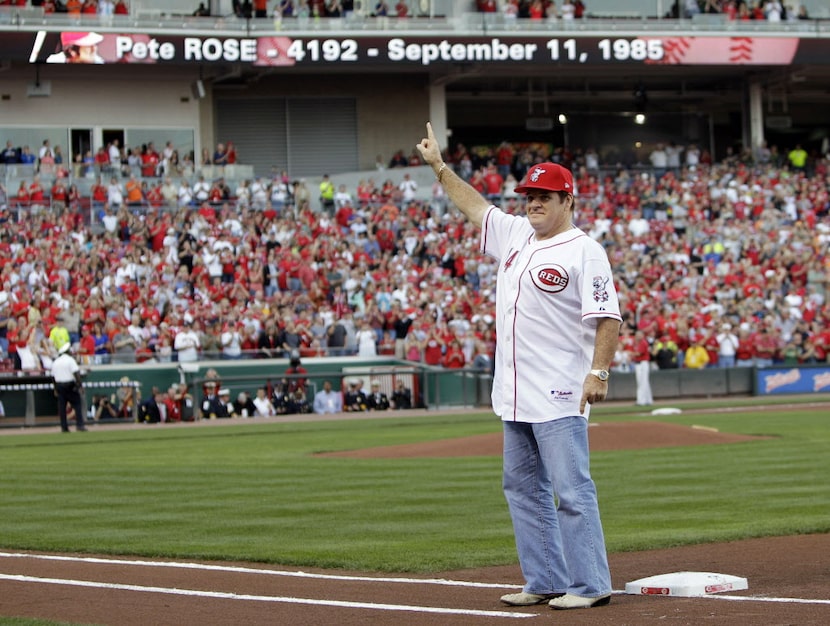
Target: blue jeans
point(561, 547)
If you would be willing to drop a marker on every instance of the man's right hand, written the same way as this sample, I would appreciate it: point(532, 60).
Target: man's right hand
point(429, 148)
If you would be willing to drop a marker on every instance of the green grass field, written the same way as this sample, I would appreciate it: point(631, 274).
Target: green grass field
point(256, 492)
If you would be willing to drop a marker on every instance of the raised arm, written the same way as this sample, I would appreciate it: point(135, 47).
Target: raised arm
point(468, 200)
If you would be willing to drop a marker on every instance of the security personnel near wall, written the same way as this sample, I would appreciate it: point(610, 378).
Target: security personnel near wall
point(664, 351)
point(68, 387)
point(212, 407)
point(354, 399)
point(327, 195)
point(59, 335)
point(377, 400)
point(402, 396)
point(225, 408)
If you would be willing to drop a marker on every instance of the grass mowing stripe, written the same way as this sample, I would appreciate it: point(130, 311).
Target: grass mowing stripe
point(256, 492)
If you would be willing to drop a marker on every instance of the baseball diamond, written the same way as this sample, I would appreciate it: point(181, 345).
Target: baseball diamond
point(227, 166)
point(126, 590)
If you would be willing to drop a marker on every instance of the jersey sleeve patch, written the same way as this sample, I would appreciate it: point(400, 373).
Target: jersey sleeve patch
point(600, 285)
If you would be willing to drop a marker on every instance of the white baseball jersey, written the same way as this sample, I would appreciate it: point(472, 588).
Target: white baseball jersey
point(549, 297)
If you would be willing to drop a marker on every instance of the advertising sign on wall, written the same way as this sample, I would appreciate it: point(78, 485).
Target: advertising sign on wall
point(793, 380)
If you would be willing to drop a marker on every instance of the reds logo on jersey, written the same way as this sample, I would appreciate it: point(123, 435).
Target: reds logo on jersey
point(549, 278)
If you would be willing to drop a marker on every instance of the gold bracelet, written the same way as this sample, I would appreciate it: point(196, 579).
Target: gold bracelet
point(440, 171)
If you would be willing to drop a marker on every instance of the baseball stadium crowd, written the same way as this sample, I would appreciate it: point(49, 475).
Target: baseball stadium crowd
point(767, 10)
point(717, 264)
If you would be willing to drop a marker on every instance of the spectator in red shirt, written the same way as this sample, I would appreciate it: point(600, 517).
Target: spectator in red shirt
point(493, 184)
point(745, 352)
point(143, 352)
point(94, 312)
point(766, 347)
point(102, 160)
point(454, 357)
point(344, 216)
point(86, 345)
point(710, 342)
point(58, 195)
point(36, 192)
point(99, 193)
point(73, 197)
point(149, 161)
point(23, 199)
point(433, 347)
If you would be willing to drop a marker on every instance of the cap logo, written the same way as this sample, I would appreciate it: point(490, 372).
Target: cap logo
point(535, 174)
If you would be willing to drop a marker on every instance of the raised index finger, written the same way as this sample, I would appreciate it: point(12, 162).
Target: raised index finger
point(430, 134)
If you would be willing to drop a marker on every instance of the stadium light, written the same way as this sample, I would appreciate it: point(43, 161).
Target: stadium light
point(640, 118)
point(563, 119)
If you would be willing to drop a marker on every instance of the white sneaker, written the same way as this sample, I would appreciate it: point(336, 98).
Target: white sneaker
point(527, 599)
point(570, 601)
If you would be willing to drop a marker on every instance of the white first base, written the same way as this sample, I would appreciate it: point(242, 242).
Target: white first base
point(685, 584)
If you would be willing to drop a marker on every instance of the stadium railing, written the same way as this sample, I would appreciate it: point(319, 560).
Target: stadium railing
point(458, 20)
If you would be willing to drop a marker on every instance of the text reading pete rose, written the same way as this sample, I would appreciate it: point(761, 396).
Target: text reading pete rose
point(288, 51)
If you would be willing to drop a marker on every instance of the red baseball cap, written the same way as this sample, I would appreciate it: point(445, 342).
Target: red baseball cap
point(547, 177)
point(80, 39)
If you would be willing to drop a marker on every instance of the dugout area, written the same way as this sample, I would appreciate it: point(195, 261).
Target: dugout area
point(29, 400)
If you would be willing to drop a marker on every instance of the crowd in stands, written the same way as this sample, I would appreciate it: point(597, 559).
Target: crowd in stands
point(534, 9)
point(769, 10)
point(145, 161)
point(696, 244)
point(103, 8)
point(773, 11)
point(309, 9)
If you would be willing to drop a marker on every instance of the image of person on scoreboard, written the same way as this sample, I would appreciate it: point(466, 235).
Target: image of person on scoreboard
point(78, 48)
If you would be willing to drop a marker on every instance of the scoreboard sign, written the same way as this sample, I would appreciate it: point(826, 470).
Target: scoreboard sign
point(416, 51)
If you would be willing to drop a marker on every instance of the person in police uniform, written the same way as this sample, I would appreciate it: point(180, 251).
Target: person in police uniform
point(354, 399)
point(377, 400)
point(68, 387)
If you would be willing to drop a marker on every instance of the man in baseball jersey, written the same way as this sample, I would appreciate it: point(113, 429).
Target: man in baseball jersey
point(558, 323)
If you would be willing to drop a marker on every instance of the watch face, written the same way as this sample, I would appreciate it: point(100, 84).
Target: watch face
point(603, 375)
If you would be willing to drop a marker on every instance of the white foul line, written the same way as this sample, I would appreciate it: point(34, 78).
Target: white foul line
point(253, 570)
point(270, 572)
point(236, 596)
point(765, 599)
